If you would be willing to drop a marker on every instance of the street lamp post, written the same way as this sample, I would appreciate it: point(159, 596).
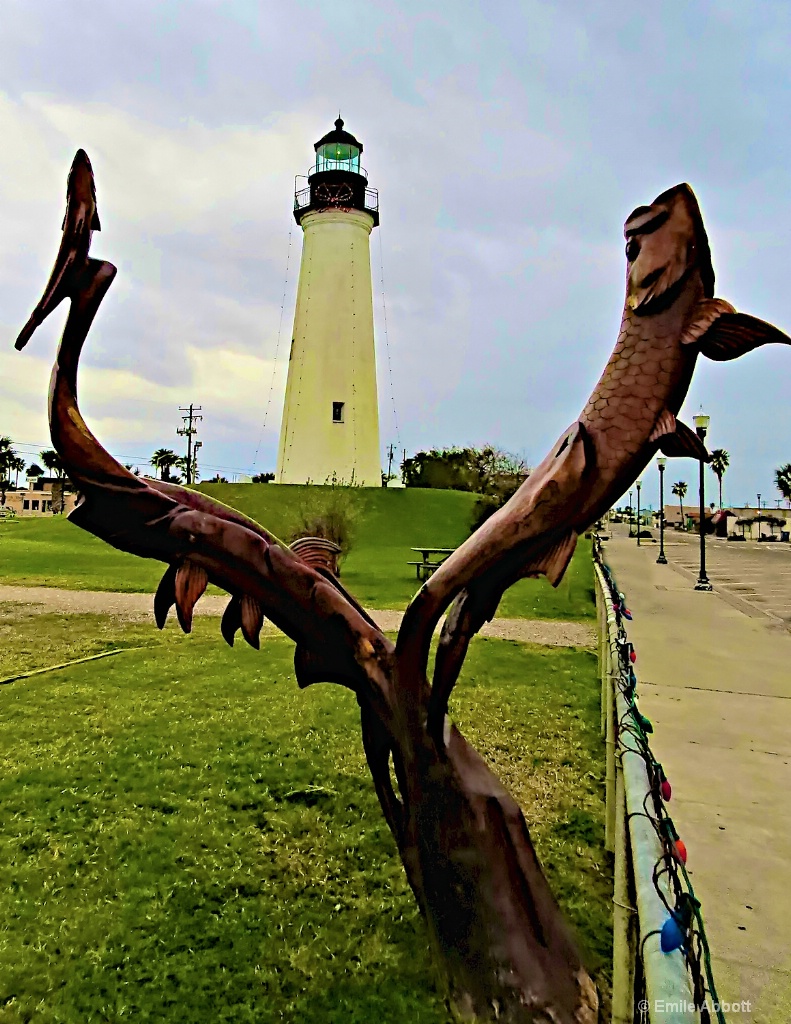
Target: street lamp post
point(638, 485)
point(759, 518)
point(701, 426)
point(662, 560)
point(630, 513)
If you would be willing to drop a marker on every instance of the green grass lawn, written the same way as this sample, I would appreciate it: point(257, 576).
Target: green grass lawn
point(52, 552)
point(187, 837)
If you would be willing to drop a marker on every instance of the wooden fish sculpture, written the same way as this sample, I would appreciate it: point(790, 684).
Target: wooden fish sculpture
point(670, 316)
point(504, 949)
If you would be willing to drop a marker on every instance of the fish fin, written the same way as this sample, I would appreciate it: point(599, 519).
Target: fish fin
point(683, 443)
point(165, 597)
point(666, 424)
point(252, 619)
point(554, 562)
point(706, 313)
point(231, 620)
point(733, 334)
point(190, 582)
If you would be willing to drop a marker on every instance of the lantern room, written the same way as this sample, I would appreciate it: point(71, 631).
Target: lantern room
point(339, 151)
point(336, 179)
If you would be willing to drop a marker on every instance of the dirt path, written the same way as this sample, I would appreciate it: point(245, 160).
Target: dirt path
point(138, 607)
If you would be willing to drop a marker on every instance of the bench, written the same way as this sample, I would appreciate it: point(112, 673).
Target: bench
point(318, 552)
point(424, 569)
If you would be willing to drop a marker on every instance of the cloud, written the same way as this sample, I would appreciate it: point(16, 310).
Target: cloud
point(508, 142)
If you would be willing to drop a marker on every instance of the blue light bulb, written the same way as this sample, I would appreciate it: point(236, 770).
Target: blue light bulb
point(671, 936)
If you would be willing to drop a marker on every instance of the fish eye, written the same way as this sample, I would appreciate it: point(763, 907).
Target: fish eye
point(632, 250)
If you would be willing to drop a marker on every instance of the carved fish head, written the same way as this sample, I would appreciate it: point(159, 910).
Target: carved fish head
point(80, 177)
point(81, 187)
point(666, 246)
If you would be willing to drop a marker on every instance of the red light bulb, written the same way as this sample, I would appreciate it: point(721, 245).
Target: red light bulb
point(681, 851)
point(632, 656)
point(667, 792)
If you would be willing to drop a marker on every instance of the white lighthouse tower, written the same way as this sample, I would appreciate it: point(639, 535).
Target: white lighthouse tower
point(330, 429)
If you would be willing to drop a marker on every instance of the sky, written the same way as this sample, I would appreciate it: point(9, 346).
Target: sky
point(508, 141)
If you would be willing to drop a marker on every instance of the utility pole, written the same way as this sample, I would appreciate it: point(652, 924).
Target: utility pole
point(187, 431)
point(196, 446)
point(390, 453)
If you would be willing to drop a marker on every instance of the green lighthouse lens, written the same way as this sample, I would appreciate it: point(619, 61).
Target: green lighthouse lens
point(338, 156)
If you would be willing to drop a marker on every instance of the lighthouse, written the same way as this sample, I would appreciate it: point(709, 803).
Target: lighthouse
point(330, 428)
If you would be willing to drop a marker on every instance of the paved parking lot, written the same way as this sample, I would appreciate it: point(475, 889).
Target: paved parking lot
point(756, 577)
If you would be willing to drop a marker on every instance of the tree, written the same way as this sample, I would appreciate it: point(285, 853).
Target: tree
point(164, 459)
point(783, 481)
point(680, 489)
point(7, 465)
point(720, 460)
point(18, 466)
point(488, 470)
point(51, 460)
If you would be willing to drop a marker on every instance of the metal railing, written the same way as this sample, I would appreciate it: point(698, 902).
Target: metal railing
point(371, 201)
point(651, 886)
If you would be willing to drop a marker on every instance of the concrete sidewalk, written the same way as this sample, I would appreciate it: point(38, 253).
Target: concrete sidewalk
point(716, 683)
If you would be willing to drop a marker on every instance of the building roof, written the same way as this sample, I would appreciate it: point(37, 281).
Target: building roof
point(339, 135)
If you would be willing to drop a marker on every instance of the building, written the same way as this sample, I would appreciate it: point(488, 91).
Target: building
point(330, 426)
point(755, 524)
point(42, 496)
point(751, 523)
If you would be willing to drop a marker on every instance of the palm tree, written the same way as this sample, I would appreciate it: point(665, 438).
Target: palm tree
point(18, 466)
point(164, 459)
point(680, 489)
point(783, 481)
point(7, 457)
point(720, 460)
point(51, 460)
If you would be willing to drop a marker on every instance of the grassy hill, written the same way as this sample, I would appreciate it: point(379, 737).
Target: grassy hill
point(387, 524)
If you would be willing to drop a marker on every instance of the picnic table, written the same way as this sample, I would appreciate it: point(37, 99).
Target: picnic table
point(426, 567)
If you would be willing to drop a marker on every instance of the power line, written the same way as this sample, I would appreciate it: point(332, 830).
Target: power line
point(33, 448)
point(387, 340)
point(277, 346)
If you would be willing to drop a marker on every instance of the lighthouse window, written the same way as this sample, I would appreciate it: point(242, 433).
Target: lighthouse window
point(337, 412)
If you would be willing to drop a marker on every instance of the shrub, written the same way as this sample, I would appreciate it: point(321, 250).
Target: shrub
point(484, 507)
point(329, 512)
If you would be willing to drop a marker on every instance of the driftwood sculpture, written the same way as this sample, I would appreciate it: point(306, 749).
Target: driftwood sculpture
point(503, 947)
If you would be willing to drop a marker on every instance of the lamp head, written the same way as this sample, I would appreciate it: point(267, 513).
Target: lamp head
point(661, 462)
point(702, 421)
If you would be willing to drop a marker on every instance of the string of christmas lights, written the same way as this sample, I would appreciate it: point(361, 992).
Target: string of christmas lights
point(683, 928)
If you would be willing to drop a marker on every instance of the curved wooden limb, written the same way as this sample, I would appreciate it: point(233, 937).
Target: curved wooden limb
point(378, 746)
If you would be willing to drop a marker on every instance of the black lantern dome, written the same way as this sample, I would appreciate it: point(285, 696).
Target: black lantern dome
point(337, 180)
